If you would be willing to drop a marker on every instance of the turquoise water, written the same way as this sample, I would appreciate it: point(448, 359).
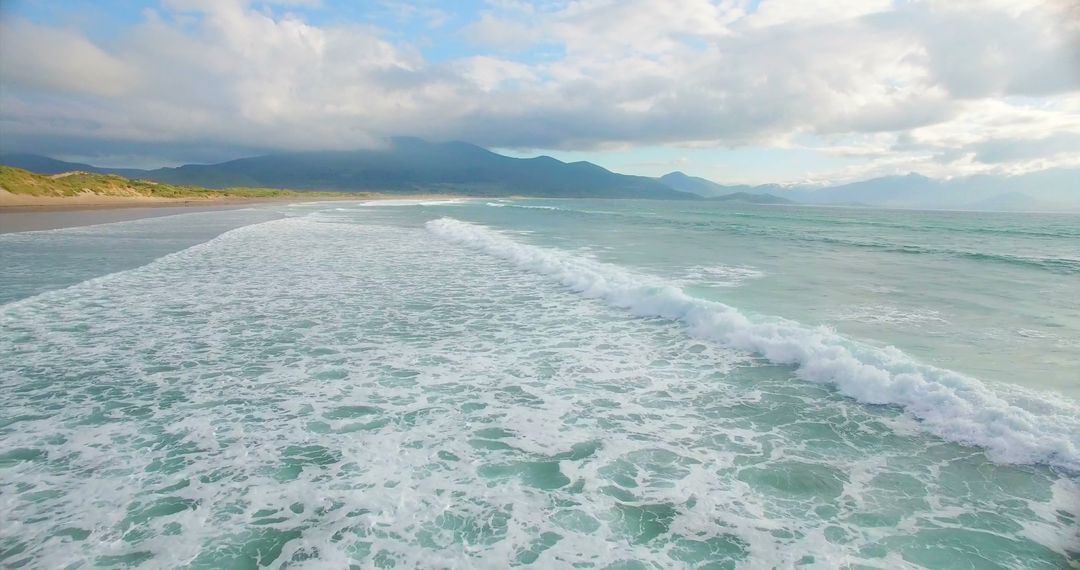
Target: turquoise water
point(592, 384)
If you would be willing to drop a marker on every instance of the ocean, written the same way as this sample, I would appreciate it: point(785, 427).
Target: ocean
point(546, 383)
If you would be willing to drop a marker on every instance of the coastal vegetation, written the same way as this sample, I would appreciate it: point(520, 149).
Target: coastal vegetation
point(70, 184)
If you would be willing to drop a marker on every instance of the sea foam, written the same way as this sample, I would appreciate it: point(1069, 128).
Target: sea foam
point(958, 408)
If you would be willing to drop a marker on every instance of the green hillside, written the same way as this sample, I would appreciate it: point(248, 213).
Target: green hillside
point(25, 183)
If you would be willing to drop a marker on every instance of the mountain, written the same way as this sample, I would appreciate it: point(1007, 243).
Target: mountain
point(42, 164)
point(1057, 190)
point(709, 189)
point(749, 198)
point(414, 165)
point(696, 184)
point(45, 165)
point(1019, 202)
point(403, 165)
point(888, 191)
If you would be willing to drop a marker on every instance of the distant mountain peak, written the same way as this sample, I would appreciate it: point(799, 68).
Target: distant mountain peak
point(587, 164)
point(750, 198)
point(679, 180)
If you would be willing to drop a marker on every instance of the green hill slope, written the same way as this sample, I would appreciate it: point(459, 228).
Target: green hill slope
point(25, 183)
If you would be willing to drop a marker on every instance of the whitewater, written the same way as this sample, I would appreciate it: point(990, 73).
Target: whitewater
point(535, 383)
point(950, 405)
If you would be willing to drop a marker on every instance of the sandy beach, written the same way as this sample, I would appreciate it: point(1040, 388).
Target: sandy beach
point(24, 203)
point(29, 213)
point(19, 213)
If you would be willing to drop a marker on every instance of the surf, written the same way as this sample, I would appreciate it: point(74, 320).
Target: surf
point(1026, 430)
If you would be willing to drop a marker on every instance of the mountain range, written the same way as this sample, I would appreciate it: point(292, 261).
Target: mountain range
point(1045, 191)
point(403, 165)
point(414, 165)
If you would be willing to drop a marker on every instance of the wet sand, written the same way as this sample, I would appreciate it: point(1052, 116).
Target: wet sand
point(25, 220)
point(52, 213)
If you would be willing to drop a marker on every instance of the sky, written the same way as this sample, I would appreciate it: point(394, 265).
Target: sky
point(738, 91)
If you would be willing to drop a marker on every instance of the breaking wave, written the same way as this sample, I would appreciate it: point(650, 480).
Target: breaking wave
point(955, 407)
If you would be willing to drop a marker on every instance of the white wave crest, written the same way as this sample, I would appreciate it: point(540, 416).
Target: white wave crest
point(441, 202)
point(504, 204)
point(722, 275)
point(403, 202)
point(889, 315)
point(958, 408)
point(538, 207)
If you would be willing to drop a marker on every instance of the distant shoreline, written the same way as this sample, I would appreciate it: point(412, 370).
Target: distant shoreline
point(13, 203)
point(36, 213)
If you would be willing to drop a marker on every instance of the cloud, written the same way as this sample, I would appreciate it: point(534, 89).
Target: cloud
point(999, 151)
point(502, 34)
point(943, 85)
point(814, 12)
point(982, 50)
point(60, 61)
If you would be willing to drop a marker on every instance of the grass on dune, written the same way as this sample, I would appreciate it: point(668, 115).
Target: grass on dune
point(25, 183)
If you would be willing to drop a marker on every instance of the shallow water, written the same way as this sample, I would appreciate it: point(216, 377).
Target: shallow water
point(607, 385)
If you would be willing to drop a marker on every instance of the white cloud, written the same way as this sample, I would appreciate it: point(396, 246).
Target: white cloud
point(55, 59)
point(492, 73)
point(926, 84)
point(502, 34)
point(813, 12)
point(999, 119)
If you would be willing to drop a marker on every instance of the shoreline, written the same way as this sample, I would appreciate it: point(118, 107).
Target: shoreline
point(13, 203)
point(35, 213)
